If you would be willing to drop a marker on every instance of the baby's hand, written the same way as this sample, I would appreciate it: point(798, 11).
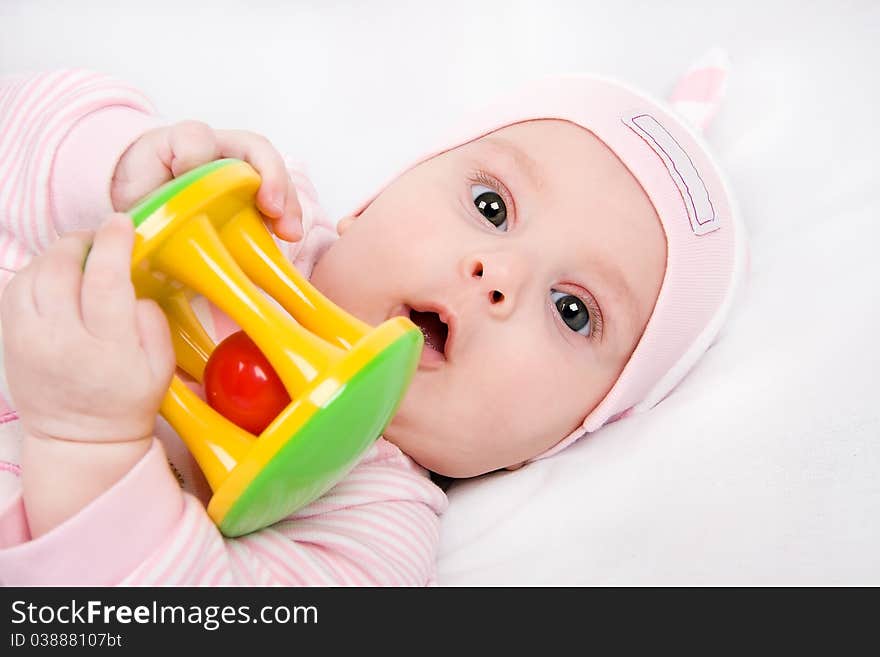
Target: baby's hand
point(85, 360)
point(168, 152)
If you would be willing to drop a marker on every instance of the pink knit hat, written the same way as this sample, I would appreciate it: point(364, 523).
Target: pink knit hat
point(706, 243)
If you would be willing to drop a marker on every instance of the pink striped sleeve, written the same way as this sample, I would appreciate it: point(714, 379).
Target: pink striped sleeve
point(378, 527)
point(61, 134)
point(102, 543)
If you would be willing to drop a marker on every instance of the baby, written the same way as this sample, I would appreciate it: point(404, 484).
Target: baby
point(569, 252)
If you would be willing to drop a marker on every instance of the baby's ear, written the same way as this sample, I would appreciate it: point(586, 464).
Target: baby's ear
point(343, 224)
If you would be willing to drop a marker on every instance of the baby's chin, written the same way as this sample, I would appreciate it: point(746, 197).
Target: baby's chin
point(411, 432)
point(428, 452)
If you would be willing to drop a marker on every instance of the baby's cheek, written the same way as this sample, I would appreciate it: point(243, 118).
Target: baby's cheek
point(512, 385)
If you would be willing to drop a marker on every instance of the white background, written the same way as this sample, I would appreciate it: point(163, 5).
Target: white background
point(762, 467)
point(348, 86)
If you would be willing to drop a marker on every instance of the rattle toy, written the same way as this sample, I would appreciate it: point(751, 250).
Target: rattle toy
point(344, 379)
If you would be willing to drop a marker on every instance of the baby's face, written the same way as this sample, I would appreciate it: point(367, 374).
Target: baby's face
point(547, 256)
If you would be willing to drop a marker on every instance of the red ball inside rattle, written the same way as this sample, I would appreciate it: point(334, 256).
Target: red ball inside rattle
point(242, 386)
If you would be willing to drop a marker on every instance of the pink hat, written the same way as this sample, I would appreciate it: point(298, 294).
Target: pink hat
point(706, 243)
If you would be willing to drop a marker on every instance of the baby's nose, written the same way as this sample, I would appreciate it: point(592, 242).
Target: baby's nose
point(499, 277)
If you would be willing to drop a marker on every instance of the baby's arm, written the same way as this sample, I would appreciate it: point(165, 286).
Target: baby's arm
point(61, 135)
point(76, 145)
point(89, 364)
point(105, 512)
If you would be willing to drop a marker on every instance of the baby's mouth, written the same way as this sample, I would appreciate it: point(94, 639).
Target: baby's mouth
point(438, 324)
point(432, 327)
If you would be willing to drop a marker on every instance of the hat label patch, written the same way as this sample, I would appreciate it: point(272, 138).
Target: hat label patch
point(682, 171)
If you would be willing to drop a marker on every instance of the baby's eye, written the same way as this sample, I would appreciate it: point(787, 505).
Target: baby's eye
point(574, 312)
point(491, 205)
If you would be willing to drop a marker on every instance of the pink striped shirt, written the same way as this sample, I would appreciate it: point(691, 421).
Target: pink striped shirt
point(61, 135)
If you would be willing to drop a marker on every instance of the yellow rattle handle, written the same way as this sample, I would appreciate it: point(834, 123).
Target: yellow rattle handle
point(203, 234)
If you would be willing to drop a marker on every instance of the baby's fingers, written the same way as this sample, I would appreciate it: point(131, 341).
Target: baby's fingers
point(289, 226)
point(107, 299)
point(155, 339)
point(56, 277)
point(272, 197)
point(192, 143)
point(17, 305)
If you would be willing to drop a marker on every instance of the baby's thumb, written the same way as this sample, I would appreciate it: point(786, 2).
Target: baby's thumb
point(155, 339)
